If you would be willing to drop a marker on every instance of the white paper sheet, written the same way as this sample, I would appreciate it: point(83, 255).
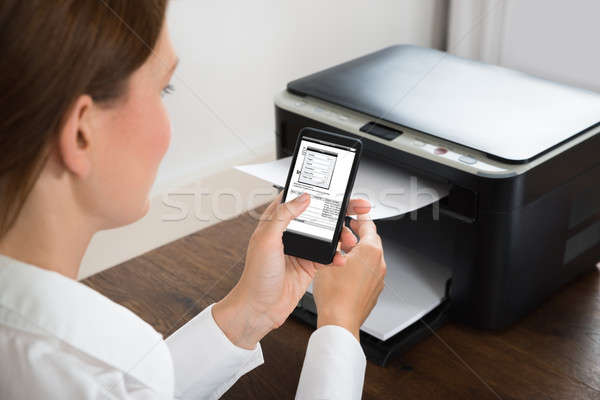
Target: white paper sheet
point(414, 285)
point(391, 191)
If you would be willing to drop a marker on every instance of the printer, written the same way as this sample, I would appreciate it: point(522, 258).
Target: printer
point(521, 156)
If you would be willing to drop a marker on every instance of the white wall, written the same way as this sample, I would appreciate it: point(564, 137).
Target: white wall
point(554, 39)
point(235, 56)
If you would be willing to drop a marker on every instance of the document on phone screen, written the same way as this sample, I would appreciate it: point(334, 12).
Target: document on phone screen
point(321, 170)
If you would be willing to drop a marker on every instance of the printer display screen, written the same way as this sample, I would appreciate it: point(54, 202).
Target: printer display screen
point(322, 170)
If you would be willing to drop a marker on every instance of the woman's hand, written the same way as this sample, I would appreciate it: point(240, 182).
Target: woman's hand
point(272, 283)
point(345, 296)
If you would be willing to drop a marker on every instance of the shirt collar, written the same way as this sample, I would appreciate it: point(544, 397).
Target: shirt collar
point(47, 303)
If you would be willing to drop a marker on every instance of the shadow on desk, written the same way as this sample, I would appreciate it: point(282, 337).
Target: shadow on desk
point(554, 353)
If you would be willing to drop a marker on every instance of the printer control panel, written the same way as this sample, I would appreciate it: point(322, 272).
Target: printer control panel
point(402, 138)
point(409, 140)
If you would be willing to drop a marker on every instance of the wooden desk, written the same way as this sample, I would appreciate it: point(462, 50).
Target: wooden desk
point(552, 354)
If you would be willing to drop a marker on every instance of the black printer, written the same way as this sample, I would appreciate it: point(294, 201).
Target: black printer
point(521, 155)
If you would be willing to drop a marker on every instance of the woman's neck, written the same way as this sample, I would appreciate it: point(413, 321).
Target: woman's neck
point(49, 232)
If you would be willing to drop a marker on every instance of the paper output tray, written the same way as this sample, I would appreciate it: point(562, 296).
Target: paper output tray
point(380, 351)
point(413, 302)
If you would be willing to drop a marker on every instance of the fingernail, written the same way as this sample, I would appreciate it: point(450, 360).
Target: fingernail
point(303, 198)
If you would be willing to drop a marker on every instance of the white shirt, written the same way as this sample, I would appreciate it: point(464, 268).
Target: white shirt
point(60, 339)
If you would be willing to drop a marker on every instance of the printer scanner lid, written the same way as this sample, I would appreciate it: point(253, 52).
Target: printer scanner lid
point(511, 116)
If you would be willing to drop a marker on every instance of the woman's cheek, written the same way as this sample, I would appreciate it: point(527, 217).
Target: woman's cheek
point(157, 139)
point(166, 133)
point(161, 134)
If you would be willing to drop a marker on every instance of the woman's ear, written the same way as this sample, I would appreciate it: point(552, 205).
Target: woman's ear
point(75, 137)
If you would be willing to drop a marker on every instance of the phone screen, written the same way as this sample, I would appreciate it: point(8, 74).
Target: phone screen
point(322, 170)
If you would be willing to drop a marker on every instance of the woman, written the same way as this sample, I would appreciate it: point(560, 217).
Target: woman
point(82, 132)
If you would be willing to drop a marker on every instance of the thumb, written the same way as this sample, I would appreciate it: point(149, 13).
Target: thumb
point(286, 212)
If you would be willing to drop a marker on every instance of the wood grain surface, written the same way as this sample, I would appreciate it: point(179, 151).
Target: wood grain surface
point(554, 353)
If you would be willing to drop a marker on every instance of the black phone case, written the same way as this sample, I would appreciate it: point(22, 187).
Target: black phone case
point(303, 246)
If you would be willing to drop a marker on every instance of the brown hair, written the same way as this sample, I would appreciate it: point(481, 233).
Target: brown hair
point(52, 53)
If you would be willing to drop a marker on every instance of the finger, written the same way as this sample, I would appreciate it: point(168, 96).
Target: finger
point(319, 266)
point(358, 206)
point(308, 266)
point(363, 226)
point(354, 225)
point(347, 239)
point(284, 213)
point(339, 260)
point(266, 215)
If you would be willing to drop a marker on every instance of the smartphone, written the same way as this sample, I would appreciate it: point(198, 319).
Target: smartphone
point(324, 165)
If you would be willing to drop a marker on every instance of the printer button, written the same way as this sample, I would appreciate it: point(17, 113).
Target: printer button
point(440, 151)
point(418, 143)
point(467, 160)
